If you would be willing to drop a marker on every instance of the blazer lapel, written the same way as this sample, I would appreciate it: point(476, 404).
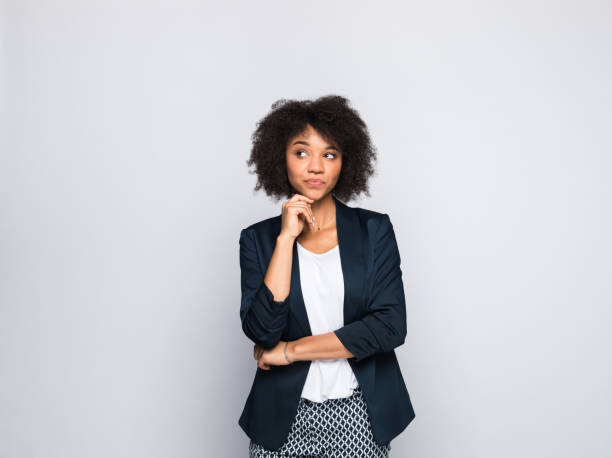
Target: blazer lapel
point(351, 244)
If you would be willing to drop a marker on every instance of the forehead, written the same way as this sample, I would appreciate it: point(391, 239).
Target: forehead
point(310, 136)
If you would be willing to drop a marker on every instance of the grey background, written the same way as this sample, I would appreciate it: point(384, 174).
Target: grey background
point(123, 188)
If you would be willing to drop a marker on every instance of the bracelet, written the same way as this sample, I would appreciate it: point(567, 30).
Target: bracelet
point(285, 351)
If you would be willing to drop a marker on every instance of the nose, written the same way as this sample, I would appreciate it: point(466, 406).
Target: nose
point(316, 164)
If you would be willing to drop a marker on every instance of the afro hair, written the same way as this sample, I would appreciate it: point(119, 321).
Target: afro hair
point(336, 121)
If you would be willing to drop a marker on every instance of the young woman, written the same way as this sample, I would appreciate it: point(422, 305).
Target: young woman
point(322, 293)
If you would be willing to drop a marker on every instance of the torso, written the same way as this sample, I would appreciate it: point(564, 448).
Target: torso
point(320, 243)
point(322, 285)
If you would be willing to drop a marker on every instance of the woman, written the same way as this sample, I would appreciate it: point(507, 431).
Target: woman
point(322, 293)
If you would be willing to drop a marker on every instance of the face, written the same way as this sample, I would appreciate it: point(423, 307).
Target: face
point(313, 164)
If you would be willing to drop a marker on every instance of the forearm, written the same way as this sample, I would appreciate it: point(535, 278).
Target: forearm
point(278, 275)
point(321, 346)
point(263, 311)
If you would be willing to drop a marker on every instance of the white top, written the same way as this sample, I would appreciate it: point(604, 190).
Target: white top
point(322, 285)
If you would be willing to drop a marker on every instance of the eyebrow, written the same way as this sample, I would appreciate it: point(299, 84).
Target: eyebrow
point(299, 142)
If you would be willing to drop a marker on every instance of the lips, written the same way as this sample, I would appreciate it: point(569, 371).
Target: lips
point(314, 181)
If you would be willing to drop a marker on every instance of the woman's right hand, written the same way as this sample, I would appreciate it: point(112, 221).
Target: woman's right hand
point(296, 211)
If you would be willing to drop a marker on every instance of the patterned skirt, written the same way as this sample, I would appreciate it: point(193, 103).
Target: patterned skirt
point(334, 428)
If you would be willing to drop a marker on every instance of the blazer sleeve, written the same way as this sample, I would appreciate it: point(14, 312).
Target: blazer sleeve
point(383, 328)
point(263, 318)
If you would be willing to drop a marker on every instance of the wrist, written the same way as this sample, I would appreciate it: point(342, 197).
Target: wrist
point(285, 238)
point(291, 351)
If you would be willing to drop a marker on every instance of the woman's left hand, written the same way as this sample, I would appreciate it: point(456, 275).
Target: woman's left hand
point(275, 356)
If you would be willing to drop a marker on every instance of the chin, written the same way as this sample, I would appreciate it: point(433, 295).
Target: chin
point(317, 195)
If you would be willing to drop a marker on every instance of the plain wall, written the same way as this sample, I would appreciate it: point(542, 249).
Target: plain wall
point(123, 189)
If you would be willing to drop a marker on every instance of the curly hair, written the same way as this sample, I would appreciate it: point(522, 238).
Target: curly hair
point(336, 121)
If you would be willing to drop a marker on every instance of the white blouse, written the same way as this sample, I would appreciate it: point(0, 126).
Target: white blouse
point(322, 286)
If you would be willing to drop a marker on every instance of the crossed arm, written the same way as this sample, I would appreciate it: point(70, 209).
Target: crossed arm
point(264, 317)
point(308, 348)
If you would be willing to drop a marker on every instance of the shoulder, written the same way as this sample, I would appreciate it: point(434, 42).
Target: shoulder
point(264, 226)
point(366, 214)
point(379, 229)
point(372, 219)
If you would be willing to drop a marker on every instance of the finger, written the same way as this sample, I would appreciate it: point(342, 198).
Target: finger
point(305, 211)
point(308, 208)
point(293, 207)
point(300, 204)
point(310, 217)
point(297, 197)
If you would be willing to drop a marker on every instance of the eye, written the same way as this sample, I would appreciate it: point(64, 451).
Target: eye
point(300, 151)
point(333, 154)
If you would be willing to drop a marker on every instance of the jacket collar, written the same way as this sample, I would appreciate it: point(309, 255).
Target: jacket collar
point(352, 248)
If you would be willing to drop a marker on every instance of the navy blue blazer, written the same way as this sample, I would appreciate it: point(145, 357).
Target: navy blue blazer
point(374, 324)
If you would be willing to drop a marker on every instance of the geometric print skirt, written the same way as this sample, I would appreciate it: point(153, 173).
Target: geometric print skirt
point(334, 428)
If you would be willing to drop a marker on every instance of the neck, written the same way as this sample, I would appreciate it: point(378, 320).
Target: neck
point(324, 211)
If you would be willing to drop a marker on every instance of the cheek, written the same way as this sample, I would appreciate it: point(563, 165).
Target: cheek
point(296, 165)
point(291, 168)
point(337, 170)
